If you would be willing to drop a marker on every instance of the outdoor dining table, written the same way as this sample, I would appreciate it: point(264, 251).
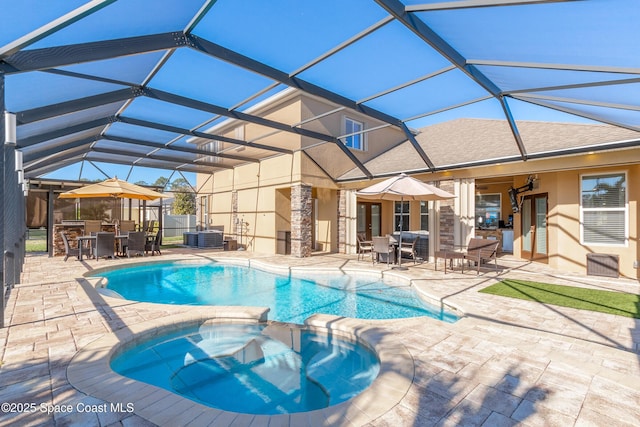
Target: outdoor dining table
point(448, 255)
point(92, 239)
point(81, 240)
point(121, 242)
point(396, 248)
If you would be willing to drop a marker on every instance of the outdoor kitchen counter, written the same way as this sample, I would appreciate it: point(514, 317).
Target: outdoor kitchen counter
point(72, 229)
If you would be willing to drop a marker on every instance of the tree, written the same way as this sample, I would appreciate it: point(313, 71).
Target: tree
point(184, 199)
point(161, 181)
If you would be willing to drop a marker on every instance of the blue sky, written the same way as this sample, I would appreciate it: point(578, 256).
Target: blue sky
point(287, 34)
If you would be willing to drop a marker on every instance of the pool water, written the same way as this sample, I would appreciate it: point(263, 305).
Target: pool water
point(289, 299)
point(252, 368)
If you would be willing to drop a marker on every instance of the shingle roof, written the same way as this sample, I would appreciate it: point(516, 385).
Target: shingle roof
point(481, 141)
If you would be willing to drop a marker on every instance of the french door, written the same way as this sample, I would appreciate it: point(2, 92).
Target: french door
point(535, 245)
point(369, 219)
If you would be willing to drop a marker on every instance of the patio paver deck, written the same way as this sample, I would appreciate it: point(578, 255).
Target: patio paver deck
point(507, 362)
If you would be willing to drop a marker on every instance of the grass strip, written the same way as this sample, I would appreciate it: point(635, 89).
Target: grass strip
point(618, 303)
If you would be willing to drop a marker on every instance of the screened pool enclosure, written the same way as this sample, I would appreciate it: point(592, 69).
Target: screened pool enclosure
point(134, 83)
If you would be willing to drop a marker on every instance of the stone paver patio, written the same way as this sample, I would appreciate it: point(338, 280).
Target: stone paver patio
point(507, 362)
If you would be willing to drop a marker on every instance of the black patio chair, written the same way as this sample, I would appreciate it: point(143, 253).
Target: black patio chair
point(105, 245)
point(68, 250)
point(136, 242)
point(153, 243)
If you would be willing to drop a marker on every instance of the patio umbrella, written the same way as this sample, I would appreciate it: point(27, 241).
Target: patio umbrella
point(403, 188)
point(115, 188)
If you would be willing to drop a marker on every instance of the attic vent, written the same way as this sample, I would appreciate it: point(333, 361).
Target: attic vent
point(602, 265)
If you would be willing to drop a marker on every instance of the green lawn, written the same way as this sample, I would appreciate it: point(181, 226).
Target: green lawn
point(36, 245)
point(619, 303)
point(37, 241)
point(174, 240)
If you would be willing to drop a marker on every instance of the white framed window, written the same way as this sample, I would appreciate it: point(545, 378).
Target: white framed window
point(488, 209)
point(401, 216)
point(424, 216)
point(604, 209)
point(354, 138)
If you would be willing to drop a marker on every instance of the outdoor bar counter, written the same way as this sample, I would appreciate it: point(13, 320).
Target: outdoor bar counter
point(72, 229)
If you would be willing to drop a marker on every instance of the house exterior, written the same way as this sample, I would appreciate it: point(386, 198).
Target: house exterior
point(580, 200)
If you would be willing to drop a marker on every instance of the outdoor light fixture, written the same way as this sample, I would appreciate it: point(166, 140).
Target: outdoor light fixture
point(9, 128)
point(18, 166)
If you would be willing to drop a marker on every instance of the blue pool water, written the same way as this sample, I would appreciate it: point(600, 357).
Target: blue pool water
point(251, 368)
point(290, 299)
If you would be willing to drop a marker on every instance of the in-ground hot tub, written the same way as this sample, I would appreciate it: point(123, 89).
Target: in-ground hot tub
point(254, 368)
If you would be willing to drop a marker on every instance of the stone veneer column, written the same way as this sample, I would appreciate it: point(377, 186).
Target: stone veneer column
point(301, 209)
point(342, 221)
point(447, 217)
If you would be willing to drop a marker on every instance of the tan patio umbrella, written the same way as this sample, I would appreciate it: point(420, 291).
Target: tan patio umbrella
point(403, 188)
point(115, 188)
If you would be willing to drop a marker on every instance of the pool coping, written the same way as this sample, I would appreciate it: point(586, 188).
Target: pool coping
point(89, 371)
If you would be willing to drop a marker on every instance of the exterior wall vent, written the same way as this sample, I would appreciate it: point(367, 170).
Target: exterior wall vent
point(602, 265)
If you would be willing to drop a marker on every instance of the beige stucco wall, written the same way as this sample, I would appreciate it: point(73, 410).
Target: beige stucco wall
point(263, 189)
point(326, 233)
point(566, 251)
point(264, 200)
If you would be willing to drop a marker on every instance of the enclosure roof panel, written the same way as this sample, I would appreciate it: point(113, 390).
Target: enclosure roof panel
point(83, 75)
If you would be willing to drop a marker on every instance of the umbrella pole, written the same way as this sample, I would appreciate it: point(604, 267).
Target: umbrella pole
point(399, 254)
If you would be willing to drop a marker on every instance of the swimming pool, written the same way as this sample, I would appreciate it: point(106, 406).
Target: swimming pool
point(290, 299)
point(252, 368)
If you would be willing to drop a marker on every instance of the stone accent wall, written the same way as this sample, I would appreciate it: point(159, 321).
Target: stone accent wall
point(72, 232)
point(342, 221)
point(301, 222)
point(447, 217)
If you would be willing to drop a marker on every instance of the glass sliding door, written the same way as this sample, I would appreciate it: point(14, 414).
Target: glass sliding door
point(534, 227)
point(527, 230)
point(369, 219)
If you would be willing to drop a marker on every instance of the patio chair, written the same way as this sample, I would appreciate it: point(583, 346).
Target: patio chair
point(136, 242)
point(409, 248)
point(152, 226)
point(382, 245)
point(68, 250)
point(364, 245)
point(153, 243)
point(91, 227)
point(126, 226)
point(480, 250)
point(105, 245)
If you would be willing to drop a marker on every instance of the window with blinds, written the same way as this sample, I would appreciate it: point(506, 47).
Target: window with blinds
point(604, 209)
